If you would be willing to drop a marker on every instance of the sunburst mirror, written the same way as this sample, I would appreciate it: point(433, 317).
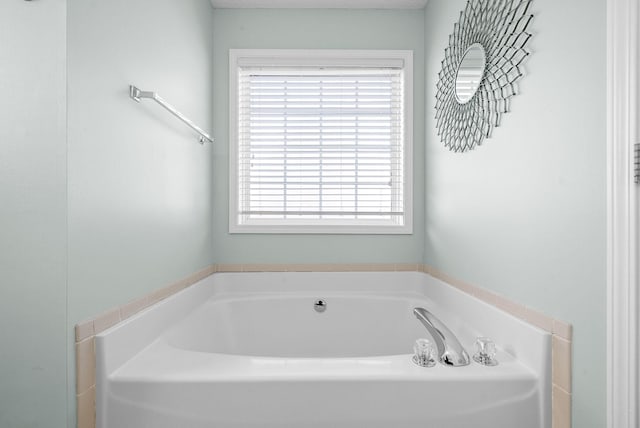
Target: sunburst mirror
point(480, 70)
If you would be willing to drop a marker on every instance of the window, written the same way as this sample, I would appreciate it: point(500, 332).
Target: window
point(320, 141)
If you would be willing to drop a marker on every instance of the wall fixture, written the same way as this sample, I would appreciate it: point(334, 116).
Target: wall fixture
point(480, 69)
point(136, 95)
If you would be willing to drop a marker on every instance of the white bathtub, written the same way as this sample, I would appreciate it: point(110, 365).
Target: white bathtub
point(249, 350)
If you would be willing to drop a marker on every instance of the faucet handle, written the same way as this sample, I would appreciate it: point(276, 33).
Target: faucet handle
point(424, 353)
point(486, 352)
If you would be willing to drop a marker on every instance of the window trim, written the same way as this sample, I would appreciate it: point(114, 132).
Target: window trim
point(327, 57)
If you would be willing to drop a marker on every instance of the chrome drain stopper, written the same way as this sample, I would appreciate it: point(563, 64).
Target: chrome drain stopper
point(320, 305)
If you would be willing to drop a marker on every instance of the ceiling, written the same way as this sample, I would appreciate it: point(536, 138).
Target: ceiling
point(319, 4)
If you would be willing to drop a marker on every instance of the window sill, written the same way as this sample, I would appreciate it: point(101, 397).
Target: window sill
point(321, 229)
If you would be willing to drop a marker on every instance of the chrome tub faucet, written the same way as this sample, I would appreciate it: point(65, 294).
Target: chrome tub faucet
point(450, 351)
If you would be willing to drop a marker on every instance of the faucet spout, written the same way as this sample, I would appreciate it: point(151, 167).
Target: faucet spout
point(450, 351)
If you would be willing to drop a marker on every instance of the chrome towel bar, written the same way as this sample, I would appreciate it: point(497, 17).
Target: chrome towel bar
point(136, 95)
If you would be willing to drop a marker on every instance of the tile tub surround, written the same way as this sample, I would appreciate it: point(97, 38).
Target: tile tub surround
point(561, 332)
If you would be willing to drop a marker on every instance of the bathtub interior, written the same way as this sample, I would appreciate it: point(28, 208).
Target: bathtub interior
point(261, 330)
point(351, 326)
point(368, 314)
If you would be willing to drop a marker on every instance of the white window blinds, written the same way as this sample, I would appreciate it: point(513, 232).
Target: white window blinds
point(320, 145)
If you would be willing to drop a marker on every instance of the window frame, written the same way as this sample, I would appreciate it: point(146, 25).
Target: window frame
point(321, 57)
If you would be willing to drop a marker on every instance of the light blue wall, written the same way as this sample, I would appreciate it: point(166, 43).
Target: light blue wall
point(139, 183)
point(524, 214)
point(312, 29)
point(33, 237)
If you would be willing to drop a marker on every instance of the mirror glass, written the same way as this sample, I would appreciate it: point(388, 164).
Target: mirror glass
point(470, 72)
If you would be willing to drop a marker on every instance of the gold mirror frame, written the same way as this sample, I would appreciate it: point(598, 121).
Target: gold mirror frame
point(500, 27)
